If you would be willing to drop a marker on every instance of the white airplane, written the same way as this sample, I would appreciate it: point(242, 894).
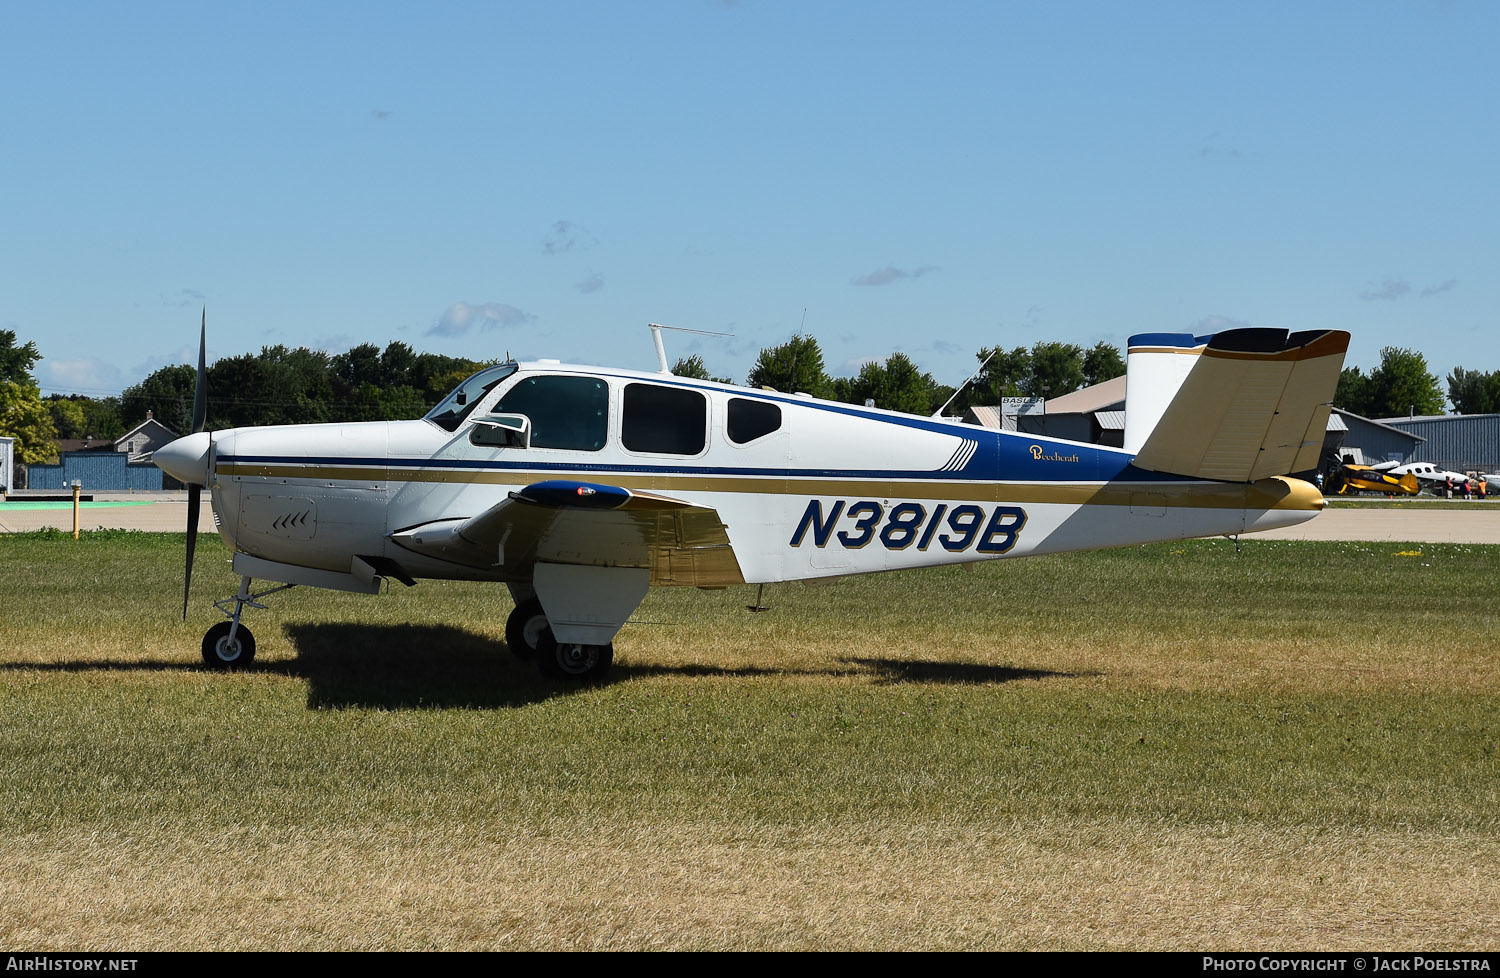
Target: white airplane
point(1428, 474)
point(579, 487)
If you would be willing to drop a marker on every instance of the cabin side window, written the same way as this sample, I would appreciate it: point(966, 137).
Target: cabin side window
point(748, 420)
point(664, 420)
point(571, 413)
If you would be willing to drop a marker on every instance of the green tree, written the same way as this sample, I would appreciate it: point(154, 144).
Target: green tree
point(1353, 392)
point(301, 385)
point(68, 416)
point(1001, 375)
point(898, 384)
point(1056, 369)
point(23, 416)
point(1102, 362)
point(1402, 385)
point(16, 362)
point(694, 368)
point(167, 393)
point(360, 365)
point(396, 363)
point(1474, 391)
point(373, 403)
point(76, 416)
point(435, 375)
point(794, 366)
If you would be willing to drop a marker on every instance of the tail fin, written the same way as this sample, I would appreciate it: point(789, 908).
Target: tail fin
point(1240, 405)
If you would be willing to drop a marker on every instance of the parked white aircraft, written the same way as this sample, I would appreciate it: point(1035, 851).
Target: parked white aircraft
point(579, 487)
point(1428, 474)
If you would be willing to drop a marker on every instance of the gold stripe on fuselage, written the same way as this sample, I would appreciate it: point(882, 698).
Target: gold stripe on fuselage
point(1276, 493)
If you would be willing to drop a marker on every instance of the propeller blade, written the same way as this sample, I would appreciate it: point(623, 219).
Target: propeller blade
point(200, 387)
point(195, 492)
point(194, 502)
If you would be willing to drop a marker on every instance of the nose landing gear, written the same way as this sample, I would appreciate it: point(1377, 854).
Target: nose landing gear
point(229, 644)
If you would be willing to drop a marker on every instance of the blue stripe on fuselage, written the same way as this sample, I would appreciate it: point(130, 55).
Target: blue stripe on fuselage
point(989, 464)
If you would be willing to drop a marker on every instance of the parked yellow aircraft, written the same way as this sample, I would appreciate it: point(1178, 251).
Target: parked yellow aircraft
point(1351, 478)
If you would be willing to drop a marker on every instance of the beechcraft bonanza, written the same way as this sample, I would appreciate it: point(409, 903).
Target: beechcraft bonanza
point(580, 487)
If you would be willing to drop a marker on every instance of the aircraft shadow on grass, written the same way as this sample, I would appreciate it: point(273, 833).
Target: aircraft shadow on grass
point(413, 667)
point(891, 671)
point(428, 666)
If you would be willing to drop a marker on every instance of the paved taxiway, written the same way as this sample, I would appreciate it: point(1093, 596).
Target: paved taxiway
point(162, 512)
point(1414, 525)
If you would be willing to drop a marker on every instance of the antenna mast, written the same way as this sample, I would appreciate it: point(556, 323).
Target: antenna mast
point(939, 412)
point(661, 351)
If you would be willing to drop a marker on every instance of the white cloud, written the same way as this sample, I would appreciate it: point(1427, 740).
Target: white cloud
point(461, 317)
point(592, 283)
point(80, 375)
point(565, 236)
point(1389, 290)
point(1438, 289)
point(889, 274)
point(1212, 147)
point(184, 299)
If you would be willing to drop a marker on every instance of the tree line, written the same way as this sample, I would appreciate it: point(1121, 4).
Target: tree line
point(1402, 386)
point(283, 385)
point(1044, 370)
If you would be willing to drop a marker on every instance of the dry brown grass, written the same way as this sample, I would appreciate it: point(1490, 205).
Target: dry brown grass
point(1043, 884)
point(1164, 748)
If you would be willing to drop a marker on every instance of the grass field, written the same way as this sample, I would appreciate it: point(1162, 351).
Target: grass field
point(1421, 504)
point(1161, 747)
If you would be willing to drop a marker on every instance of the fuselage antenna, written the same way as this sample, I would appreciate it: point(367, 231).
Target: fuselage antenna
point(661, 351)
point(939, 412)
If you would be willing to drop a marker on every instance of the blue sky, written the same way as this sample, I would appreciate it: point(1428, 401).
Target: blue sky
point(543, 179)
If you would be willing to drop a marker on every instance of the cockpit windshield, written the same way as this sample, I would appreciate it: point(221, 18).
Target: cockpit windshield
point(451, 412)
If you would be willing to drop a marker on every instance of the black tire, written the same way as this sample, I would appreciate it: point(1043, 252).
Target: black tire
point(524, 627)
point(219, 654)
point(573, 662)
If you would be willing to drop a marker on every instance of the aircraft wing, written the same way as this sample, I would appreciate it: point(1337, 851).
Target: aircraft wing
point(589, 524)
point(1254, 405)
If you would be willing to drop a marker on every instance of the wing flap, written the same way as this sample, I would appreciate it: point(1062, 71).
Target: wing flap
point(1254, 405)
point(588, 524)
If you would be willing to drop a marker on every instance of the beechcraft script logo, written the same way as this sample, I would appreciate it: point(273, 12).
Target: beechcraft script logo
point(856, 525)
point(1040, 454)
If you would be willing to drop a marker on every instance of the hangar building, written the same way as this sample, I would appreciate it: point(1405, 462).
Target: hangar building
point(1461, 442)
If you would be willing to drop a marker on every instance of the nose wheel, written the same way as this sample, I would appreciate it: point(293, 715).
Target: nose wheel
point(229, 644)
point(228, 647)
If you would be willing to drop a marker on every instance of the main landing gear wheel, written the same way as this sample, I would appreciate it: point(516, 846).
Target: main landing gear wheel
point(524, 628)
point(219, 652)
point(572, 660)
